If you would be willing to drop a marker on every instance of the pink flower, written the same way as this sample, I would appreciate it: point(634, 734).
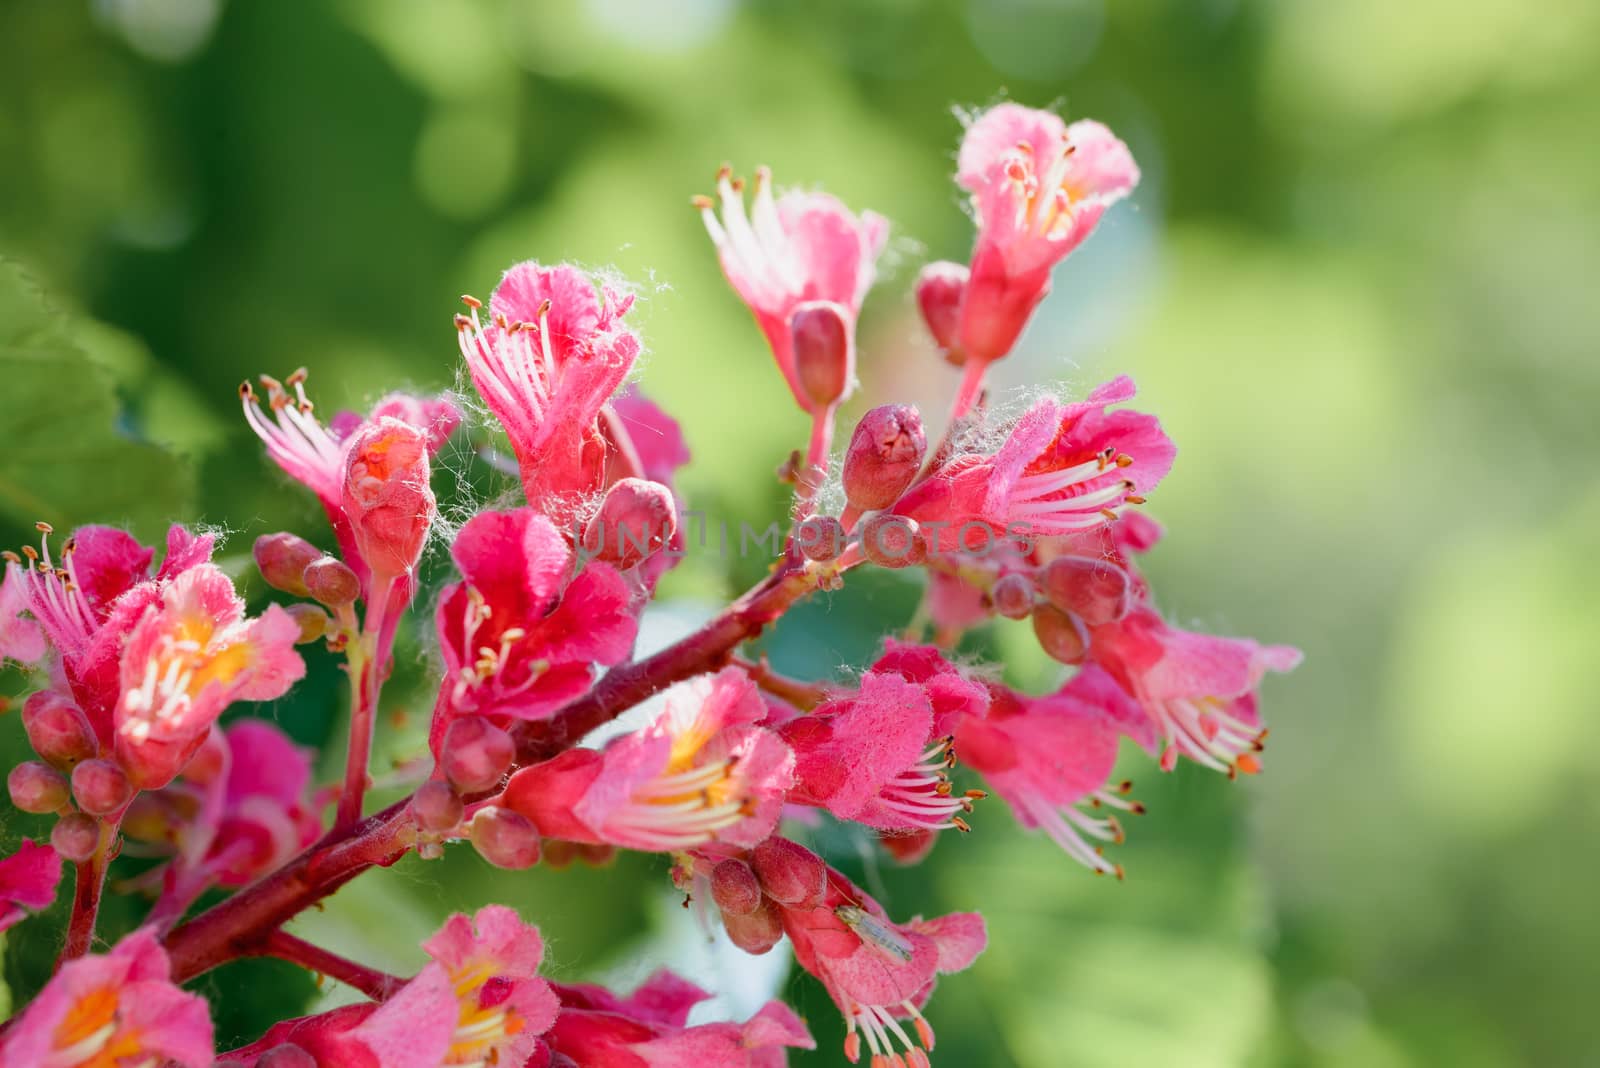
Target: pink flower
point(386, 497)
point(1039, 188)
point(491, 961)
point(113, 1010)
point(800, 249)
point(652, 441)
point(552, 354)
point(88, 602)
point(72, 598)
point(240, 810)
point(28, 880)
point(190, 655)
point(879, 972)
point(879, 756)
point(1048, 755)
point(1198, 690)
point(21, 640)
point(520, 635)
point(1064, 468)
point(314, 455)
point(702, 771)
point(598, 1029)
point(480, 1001)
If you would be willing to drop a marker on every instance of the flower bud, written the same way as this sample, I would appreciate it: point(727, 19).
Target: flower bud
point(436, 807)
point(1013, 595)
point(883, 457)
point(37, 788)
point(940, 288)
point(636, 519)
point(893, 541)
point(505, 838)
point(313, 621)
point(287, 1055)
point(76, 837)
point(57, 729)
point(100, 787)
point(332, 583)
point(1095, 590)
point(790, 873)
point(475, 754)
point(734, 887)
point(282, 559)
point(820, 538)
point(386, 495)
point(757, 932)
point(823, 340)
point(1061, 634)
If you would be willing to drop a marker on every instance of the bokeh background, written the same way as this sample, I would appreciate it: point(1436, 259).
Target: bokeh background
point(1357, 283)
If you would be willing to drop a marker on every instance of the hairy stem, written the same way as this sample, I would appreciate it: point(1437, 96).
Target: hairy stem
point(803, 695)
point(815, 472)
point(89, 887)
point(365, 661)
point(240, 925)
point(707, 649)
point(375, 984)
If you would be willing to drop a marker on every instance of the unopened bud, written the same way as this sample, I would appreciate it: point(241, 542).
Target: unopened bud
point(883, 457)
point(331, 582)
point(1061, 634)
point(57, 729)
point(436, 807)
point(475, 754)
point(386, 494)
point(505, 838)
point(893, 541)
point(76, 837)
point(636, 519)
point(100, 787)
point(1097, 591)
point(824, 351)
point(940, 288)
point(314, 622)
point(1013, 596)
point(286, 1056)
point(790, 873)
point(820, 538)
point(734, 887)
point(282, 559)
point(37, 788)
point(756, 932)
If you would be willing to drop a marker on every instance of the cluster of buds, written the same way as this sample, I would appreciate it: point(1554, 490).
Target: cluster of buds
point(1031, 517)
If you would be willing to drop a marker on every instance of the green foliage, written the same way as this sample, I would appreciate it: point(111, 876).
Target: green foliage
point(67, 460)
point(1355, 283)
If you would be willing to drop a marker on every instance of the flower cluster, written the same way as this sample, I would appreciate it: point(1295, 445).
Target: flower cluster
point(1028, 516)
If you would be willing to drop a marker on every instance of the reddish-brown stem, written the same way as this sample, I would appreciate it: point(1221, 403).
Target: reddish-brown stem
point(816, 468)
point(240, 925)
point(364, 661)
point(90, 883)
point(803, 695)
point(707, 649)
point(371, 982)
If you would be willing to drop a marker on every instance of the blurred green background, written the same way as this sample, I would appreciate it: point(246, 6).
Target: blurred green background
point(1357, 283)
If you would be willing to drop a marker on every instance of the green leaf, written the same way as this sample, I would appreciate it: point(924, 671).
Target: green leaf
point(67, 457)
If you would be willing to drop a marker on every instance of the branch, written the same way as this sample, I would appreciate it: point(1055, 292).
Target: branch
point(243, 924)
point(375, 984)
point(705, 650)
